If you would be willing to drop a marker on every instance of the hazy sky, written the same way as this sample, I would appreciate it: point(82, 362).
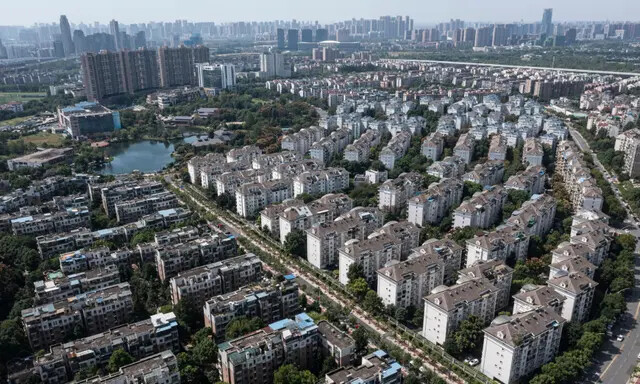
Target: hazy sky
point(27, 12)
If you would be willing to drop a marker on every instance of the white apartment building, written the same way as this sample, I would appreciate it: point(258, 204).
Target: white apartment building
point(464, 148)
point(504, 243)
point(393, 194)
point(405, 283)
point(321, 181)
point(447, 251)
point(395, 149)
point(434, 204)
point(629, 143)
point(581, 186)
point(497, 148)
point(530, 180)
point(433, 146)
point(446, 307)
point(532, 297)
point(324, 240)
point(515, 346)
point(578, 291)
point(372, 254)
point(450, 167)
point(532, 152)
point(496, 272)
point(482, 210)
point(487, 173)
point(536, 215)
point(251, 198)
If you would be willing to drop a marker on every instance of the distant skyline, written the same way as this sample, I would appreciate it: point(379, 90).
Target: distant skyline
point(28, 12)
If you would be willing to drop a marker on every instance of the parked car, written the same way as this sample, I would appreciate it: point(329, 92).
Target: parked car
point(620, 338)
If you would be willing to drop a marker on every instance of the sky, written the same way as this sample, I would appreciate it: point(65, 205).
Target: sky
point(28, 12)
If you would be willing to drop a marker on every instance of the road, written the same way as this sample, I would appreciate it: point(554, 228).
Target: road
point(517, 66)
point(371, 323)
point(616, 360)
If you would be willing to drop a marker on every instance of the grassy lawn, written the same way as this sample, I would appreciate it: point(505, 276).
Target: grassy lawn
point(6, 97)
point(44, 137)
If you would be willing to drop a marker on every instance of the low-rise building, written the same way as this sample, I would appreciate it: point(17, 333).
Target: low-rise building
point(336, 343)
point(158, 368)
point(201, 283)
point(59, 286)
point(376, 368)
point(40, 159)
point(446, 307)
point(132, 210)
point(515, 346)
point(87, 119)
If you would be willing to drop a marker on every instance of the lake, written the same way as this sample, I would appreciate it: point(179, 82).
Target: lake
point(145, 156)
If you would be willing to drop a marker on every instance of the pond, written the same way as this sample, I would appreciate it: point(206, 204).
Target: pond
point(145, 156)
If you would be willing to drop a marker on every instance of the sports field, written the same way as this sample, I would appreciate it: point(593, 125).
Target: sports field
point(6, 97)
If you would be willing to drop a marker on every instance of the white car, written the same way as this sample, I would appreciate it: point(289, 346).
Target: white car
point(474, 362)
point(620, 338)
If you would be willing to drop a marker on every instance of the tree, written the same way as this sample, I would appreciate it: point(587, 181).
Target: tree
point(361, 339)
point(372, 302)
point(296, 243)
point(470, 188)
point(355, 271)
point(189, 314)
point(358, 288)
point(241, 326)
point(119, 358)
point(468, 336)
point(146, 236)
point(290, 374)
point(205, 353)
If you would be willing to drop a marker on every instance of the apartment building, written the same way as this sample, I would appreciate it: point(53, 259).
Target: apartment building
point(270, 216)
point(446, 307)
point(487, 173)
point(578, 290)
point(81, 260)
point(482, 210)
point(583, 190)
point(515, 346)
point(268, 302)
point(496, 272)
point(336, 343)
point(497, 148)
point(573, 264)
point(405, 232)
point(304, 216)
point(372, 254)
point(245, 154)
point(63, 361)
point(536, 216)
point(360, 150)
point(201, 283)
point(287, 171)
point(122, 190)
point(434, 204)
point(376, 368)
point(532, 297)
point(197, 163)
point(446, 250)
point(302, 140)
point(252, 198)
point(320, 182)
point(531, 180)
point(132, 210)
point(393, 194)
point(46, 223)
point(464, 148)
point(324, 240)
point(405, 283)
point(269, 160)
point(59, 286)
point(158, 368)
point(629, 143)
point(253, 358)
point(395, 149)
point(532, 152)
point(228, 182)
point(433, 146)
point(450, 167)
point(94, 311)
point(175, 258)
point(504, 243)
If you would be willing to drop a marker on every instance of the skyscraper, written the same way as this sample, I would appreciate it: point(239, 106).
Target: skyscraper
point(65, 31)
point(273, 64)
point(322, 34)
point(103, 75)
point(280, 33)
point(114, 29)
point(547, 21)
point(221, 76)
point(79, 42)
point(140, 69)
point(307, 36)
point(140, 40)
point(292, 39)
point(177, 66)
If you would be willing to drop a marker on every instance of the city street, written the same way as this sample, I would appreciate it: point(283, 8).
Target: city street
point(616, 360)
